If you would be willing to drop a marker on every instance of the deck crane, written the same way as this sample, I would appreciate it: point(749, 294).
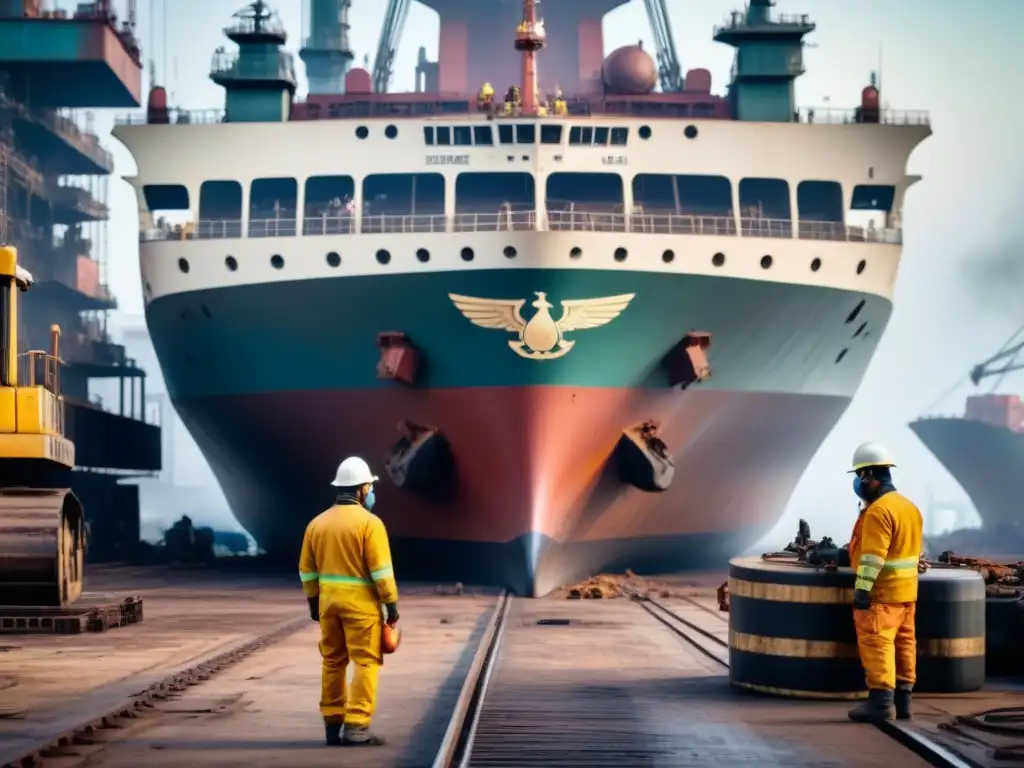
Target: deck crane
point(390, 35)
point(1007, 358)
point(669, 72)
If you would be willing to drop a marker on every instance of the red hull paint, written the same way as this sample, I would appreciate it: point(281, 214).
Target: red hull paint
point(528, 460)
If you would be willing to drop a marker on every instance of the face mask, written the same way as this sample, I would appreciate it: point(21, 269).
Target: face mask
point(370, 500)
point(858, 487)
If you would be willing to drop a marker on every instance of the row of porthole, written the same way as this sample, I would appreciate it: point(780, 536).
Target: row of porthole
point(467, 254)
point(391, 131)
point(689, 132)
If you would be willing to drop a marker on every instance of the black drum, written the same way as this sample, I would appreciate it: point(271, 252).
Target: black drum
point(791, 631)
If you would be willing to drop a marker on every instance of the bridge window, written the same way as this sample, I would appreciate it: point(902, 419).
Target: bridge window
point(551, 134)
point(588, 201)
point(220, 209)
point(765, 209)
point(506, 134)
point(328, 205)
point(492, 201)
point(819, 205)
point(682, 204)
point(403, 202)
point(871, 212)
point(483, 135)
point(463, 136)
point(526, 134)
point(273, 207)
point(620, 136)
point(428, 135)
point(444, 136)
point(168, 206)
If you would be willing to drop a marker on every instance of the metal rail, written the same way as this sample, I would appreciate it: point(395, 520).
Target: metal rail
point(457, 745)
point(200, 669)
point(713, 646)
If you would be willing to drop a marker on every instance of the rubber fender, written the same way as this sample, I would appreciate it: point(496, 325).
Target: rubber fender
point(421, 460)
point(643, 458)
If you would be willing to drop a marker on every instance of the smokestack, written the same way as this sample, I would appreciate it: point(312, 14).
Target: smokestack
point(326, 51)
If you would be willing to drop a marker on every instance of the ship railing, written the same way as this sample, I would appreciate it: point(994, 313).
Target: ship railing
point(586, 221)
point(329, 225)
point(39, 368)
point(832, 116)
point(682, 224)
point(172, 116)
point(387, 223)
point(753, 226)
point(278, 227)
point(500, 221)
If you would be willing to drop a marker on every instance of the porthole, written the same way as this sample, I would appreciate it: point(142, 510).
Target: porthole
point(276, 261)
point(183, 265)
point(620, 254)
point(467, 254)
point(362, 132)
point(668, 257)
point(856, 311)
point(333, 259)
point(644, 132)
point(860, 330)
point(840, 356)
point(231, 263)
point(510, 252)
point(575, 253)
point(422, 254)
point(391, 131)
point(766, 262)
point(383, 257)
point(690, 131)
point(718, 259)
point(861, 266)
point(815, 265)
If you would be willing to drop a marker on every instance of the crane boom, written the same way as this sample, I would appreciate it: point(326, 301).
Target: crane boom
point(669, 70)
point(1007, 356)
point(390, 35)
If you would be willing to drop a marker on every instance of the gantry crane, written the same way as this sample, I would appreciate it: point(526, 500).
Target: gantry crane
point(669, 71)
point(390, 36)
point(1007, 357)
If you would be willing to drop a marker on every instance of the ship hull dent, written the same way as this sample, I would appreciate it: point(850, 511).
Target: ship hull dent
point(536, 499)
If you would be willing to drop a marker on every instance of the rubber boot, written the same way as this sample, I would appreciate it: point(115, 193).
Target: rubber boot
point(902, 700)
point(332, 734)
point(360, 736)
point(878, 707)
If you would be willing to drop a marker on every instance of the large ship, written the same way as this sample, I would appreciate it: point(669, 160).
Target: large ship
point(612, 322)
point(984, 451)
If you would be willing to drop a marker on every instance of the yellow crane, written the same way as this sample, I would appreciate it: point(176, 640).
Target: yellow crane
point(42, 523)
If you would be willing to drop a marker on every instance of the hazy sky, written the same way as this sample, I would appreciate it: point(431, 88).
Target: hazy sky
point(962, 274)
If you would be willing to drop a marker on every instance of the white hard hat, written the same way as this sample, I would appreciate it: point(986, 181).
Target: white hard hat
point(871, 455)
point(353, 472)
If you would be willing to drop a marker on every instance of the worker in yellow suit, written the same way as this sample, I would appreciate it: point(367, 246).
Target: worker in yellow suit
point(346, 574)
point(885, 548)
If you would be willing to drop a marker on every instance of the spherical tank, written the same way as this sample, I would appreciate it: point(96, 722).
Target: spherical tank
point(869, 98)
point(157, 97)
point(630, 71)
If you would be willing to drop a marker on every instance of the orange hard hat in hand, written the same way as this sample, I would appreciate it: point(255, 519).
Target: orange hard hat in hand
point(391, 638)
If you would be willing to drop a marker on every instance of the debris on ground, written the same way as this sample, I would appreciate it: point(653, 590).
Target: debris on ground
point(607, 586)
point(723, 597)
point(457, 589)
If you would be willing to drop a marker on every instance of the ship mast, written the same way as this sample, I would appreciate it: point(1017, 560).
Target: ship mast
point(530, 38)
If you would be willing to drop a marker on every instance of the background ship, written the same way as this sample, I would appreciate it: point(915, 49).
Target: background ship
point(298, 322)
point(984, 451)
point(54, 175)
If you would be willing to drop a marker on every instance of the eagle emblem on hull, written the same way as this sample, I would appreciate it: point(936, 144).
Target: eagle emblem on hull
point(541, 337)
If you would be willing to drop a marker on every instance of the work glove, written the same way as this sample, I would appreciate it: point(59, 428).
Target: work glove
point(314, 607)
point(861, 599)
point(392, 609)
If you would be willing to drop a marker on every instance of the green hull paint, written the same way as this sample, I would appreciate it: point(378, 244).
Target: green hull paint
point(321, 334)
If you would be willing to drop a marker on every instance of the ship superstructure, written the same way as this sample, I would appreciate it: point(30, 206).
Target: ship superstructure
point(589, 326)
point(53, 208)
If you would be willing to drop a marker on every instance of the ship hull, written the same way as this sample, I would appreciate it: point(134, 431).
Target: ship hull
point(278, 382)
point(988, 462)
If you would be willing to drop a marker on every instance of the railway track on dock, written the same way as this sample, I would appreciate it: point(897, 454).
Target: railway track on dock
point(571, 684)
